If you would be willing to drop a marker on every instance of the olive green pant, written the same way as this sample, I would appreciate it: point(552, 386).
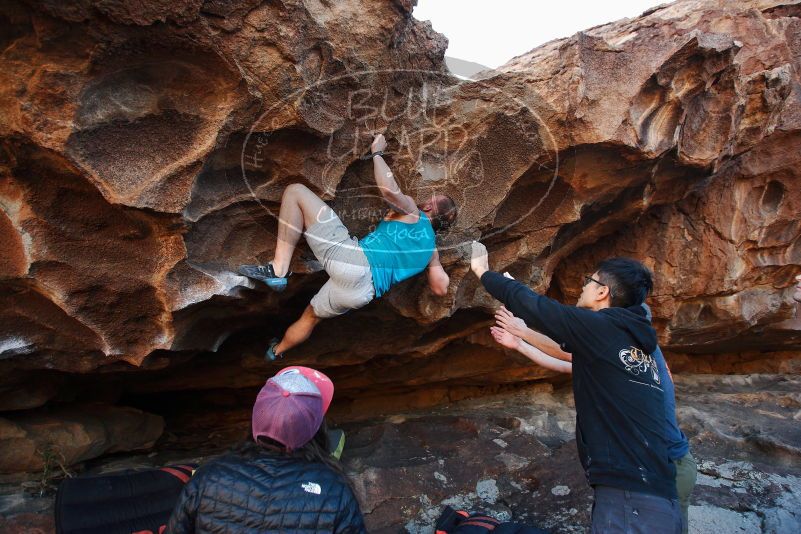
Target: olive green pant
point(686, 473)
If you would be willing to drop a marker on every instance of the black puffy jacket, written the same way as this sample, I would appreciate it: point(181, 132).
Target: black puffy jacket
point(250, 493)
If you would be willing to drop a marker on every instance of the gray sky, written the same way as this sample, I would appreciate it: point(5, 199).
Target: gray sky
point(491, 32)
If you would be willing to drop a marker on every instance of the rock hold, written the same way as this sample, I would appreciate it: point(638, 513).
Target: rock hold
point(144, 155)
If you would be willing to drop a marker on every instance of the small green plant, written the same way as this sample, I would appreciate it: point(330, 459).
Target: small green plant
point(53, 469)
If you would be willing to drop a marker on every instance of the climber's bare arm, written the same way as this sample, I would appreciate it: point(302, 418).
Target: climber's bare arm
point(438, 279)
point(385, 180)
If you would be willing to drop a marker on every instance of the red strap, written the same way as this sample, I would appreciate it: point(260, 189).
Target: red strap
point(479, 523)
point(485, 518)
point(183, 477)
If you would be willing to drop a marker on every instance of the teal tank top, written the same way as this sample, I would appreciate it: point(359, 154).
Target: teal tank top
point(397, 250)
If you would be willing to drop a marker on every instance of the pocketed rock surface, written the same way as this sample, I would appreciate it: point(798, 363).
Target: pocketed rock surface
point(144, 151)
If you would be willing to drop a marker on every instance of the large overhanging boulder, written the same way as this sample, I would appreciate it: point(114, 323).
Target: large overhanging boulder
point(144, 152)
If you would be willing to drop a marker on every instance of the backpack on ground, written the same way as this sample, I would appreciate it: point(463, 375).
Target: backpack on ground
point(461, 522)
point(132, 502)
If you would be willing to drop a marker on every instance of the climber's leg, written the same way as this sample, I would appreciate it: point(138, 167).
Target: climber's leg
point(298, 332)
point(350, 283)
point(300, 208)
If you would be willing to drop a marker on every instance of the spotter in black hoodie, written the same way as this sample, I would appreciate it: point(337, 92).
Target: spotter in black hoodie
point(620, 410)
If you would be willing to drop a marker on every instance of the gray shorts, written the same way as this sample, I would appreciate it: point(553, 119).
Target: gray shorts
point(350, 285)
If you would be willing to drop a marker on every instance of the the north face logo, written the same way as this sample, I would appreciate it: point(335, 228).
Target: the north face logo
point(312, 487)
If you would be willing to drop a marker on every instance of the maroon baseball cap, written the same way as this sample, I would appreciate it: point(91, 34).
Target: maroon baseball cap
point(288, 409)
point(320, 380)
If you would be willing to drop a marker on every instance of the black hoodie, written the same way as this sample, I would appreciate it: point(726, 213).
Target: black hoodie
point(620, 410)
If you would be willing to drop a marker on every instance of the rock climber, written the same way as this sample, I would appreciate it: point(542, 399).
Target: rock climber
point(621, 429)
point(402, 245)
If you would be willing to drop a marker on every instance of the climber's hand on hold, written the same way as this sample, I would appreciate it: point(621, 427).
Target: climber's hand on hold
point(379, 143)
point(479, 261)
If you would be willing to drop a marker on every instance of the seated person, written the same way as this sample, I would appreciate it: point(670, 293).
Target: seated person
point(285, 480)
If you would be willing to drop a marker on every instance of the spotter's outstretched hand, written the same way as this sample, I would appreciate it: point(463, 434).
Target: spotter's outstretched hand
point(504, 338)
point(506, 320)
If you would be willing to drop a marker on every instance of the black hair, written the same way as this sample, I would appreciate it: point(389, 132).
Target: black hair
point(446, 213)
point(316, 450)
point(629, 281)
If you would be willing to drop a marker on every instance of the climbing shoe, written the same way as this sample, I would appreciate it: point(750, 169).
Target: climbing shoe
point(271, 354)
point(266, 274)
